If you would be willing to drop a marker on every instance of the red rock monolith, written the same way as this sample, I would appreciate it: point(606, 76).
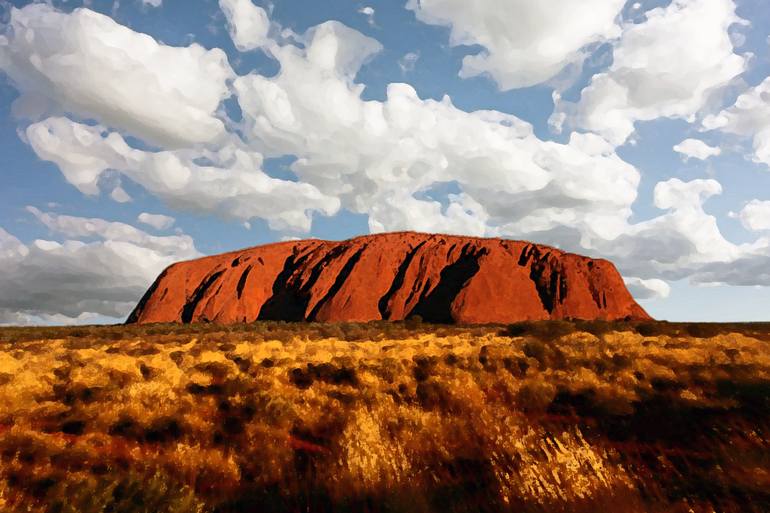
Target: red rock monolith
point(393, 276)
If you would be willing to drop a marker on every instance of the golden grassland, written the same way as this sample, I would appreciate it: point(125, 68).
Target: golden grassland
point(404, 417)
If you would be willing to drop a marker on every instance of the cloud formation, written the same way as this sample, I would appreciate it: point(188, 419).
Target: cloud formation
point(368, 11)
point(247, 23)
point(667, 66)
point(227, 182)
point(749, 117)
point(94, 268)
point(754, 216)
point(696, 149)
point(157, 221)
point(525, 43)
point(647, 289)
point(388, 159)
point(86, 64)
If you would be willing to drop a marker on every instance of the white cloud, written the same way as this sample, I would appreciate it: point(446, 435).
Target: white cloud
point(686, 242)
point(87, 64)
point(152, 3)
point(11, 248)
point(667, 66)
point(647, 289)
point(247, 23)
point(754, 216)
point(95, 268)
point(369, 13)
point(697, 149)
point(749, 117)
point(738, 39)
point(408, 61)
point(525, 42)
point(10, 318)
point(378, 157)
point(119, 195)
point(157, 221)
point(227, 182)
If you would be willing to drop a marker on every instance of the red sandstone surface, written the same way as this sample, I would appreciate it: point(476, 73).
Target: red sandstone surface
point(393, 276)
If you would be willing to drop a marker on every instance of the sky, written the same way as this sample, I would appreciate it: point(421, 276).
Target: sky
point(137, 133)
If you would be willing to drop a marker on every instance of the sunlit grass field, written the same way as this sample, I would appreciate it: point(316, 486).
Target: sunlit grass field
point(381, 417)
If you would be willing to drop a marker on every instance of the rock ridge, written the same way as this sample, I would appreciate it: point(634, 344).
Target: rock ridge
point(392, 276)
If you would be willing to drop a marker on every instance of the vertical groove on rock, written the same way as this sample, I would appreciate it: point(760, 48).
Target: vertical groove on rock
point(242, 282)
point(285, 303)
point(547, 274)
point(315, 273)
point(398, 281)
point(189, 308)
point(436, 306)
point(596, 293)
point(338, 282)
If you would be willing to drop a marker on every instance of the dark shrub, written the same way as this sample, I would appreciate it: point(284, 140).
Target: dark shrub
point(544, 330)
point(177, 357)
point(547, 354)
point(301, 378)
point(516, 366)
point(432, 395)
point(126, 427)
point(703, 330)
point(73, 427)
point(164, 429)
point(656, 329)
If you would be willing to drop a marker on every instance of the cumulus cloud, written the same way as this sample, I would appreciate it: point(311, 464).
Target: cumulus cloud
point(87, 64)
point(408, 61)
point(247, 23)
point(368, 11)
point(94, 268)
point(686, 242)
point(748, 117)
point(676, 244)
point(754, 216)
point(227, 182)
point(387, 158)
point(157, 221)
point(647, 289)
point(525, 43)
point(667, 66)
point(119, 195)
point(750, 267)
point(10, 318)
point(697, 149)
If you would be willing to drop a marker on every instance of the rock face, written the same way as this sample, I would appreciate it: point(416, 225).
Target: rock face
point(393, 276)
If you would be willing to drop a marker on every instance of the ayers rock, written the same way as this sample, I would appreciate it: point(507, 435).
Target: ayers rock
point(441, 278)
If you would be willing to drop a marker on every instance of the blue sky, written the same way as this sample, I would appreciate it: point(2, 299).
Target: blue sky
point(304, 124)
